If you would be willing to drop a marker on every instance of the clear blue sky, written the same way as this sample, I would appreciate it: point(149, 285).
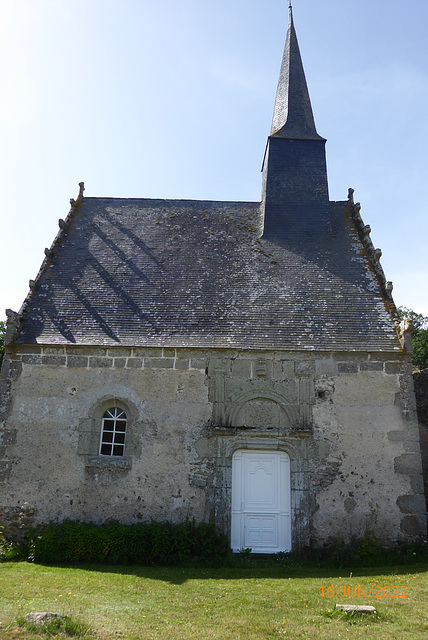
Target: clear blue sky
point(174, 100)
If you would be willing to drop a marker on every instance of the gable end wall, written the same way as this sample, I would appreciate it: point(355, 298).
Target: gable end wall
point(347, 422)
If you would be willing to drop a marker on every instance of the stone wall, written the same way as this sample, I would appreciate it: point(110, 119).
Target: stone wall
point(421, 391)
point(346, 421)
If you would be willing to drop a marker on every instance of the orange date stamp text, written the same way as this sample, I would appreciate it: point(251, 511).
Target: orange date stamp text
point(356, 591)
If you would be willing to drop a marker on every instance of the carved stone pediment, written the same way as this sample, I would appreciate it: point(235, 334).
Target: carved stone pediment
point(259, 408)
point(280, 399)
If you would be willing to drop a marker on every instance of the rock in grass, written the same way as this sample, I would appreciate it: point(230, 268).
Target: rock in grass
point(40, 617)
point(359, 608)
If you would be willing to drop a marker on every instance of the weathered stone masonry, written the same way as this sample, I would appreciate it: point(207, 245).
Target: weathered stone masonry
point(421, 391)
point(347, 423)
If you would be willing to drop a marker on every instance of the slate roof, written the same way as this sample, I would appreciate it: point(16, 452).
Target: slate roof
point(141, 272)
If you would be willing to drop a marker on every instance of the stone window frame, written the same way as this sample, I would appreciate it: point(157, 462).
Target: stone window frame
point(90, 429)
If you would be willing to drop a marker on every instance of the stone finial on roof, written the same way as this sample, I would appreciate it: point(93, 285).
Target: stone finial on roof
point(374, 255)
point(405, 334)
point(377, 254)
point(12, 326)
point(293, 117)
point(75, 203)
point(81, 190)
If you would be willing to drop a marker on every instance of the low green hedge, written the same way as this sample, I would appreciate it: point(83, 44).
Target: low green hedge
point(116, 543)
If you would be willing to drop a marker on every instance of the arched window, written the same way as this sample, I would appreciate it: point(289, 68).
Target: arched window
point(113, 432)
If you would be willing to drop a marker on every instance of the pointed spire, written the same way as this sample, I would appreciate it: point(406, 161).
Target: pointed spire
point(293, 117)
point(295, 189)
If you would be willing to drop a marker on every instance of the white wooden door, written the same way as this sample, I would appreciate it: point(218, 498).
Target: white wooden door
point(261, 511)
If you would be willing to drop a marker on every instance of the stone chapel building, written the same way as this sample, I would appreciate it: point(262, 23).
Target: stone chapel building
point(234, 362)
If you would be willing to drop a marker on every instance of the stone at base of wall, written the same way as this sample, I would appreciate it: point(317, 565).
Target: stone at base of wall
point(15, 522)
point(414, 525)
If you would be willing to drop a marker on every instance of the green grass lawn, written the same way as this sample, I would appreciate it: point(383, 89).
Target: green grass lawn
point(252, 602)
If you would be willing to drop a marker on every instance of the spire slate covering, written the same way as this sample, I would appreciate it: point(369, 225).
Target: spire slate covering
point(295, 187)
point(293, 117)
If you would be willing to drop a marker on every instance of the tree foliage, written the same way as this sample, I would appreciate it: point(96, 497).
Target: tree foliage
point(419, 336)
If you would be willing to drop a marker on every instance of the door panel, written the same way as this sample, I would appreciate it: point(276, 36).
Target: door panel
point(261, 518)
point(261, 531)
